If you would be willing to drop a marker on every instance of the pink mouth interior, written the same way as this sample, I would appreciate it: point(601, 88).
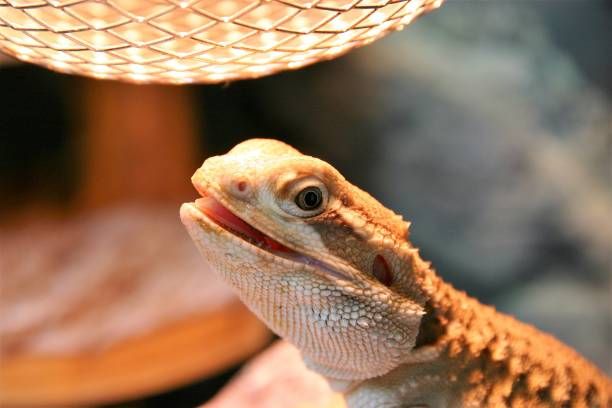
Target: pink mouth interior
point(230, 222)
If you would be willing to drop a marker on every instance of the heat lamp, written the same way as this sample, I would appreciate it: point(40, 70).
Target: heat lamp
point(194, 41)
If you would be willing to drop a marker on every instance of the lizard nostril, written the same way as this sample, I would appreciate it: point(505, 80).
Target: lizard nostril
point(240, 187)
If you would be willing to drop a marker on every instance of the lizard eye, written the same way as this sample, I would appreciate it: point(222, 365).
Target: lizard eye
point(309, 198)
point(304, 198)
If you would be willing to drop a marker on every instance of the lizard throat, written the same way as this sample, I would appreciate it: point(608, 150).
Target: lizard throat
point(216, 212)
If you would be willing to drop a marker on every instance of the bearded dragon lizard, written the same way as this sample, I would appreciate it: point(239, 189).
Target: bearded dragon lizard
point(331, 270)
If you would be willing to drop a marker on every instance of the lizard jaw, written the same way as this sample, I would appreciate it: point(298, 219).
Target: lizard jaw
point(216, 217)
point(222, 216)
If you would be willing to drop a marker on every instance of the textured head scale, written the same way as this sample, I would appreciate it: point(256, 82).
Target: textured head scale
point(310, 270)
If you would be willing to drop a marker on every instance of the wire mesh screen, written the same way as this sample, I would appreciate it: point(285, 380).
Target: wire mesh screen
point(178, 41)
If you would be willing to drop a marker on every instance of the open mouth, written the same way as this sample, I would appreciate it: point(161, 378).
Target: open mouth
point(223, 217)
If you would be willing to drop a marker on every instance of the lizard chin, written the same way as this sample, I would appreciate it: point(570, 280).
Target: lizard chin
point(210, 210)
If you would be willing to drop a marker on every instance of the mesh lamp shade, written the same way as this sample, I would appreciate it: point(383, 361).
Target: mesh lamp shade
point(180, 41)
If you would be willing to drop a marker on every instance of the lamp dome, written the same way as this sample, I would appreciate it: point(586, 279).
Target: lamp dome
point(182, 41)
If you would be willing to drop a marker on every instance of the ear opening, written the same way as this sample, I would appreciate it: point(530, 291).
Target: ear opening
point(381, 270)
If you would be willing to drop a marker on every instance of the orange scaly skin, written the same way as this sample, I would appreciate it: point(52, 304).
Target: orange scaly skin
point(397, 338)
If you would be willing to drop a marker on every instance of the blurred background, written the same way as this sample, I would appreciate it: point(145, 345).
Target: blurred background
point(487, 124)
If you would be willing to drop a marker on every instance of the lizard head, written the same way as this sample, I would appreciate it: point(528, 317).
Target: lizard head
point(324, 264)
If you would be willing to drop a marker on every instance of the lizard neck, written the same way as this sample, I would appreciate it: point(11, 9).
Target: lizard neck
point(454, 323)
point(481, 352)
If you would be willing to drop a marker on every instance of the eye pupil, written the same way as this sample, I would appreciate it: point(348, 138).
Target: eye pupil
point(309, 199)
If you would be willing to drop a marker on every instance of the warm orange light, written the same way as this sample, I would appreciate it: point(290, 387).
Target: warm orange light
point(180, 41)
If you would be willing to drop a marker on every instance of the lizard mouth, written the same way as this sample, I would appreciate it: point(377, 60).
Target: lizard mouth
point(214, 211)
point(230, 222)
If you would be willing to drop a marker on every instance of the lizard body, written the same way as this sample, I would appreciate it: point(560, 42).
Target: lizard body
point(330, 269)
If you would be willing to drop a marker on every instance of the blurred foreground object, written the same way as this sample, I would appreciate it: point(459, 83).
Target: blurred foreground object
point(278, 378)
point(194, 41)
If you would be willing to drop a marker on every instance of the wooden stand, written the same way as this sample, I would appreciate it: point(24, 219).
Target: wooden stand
point(169, 357)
